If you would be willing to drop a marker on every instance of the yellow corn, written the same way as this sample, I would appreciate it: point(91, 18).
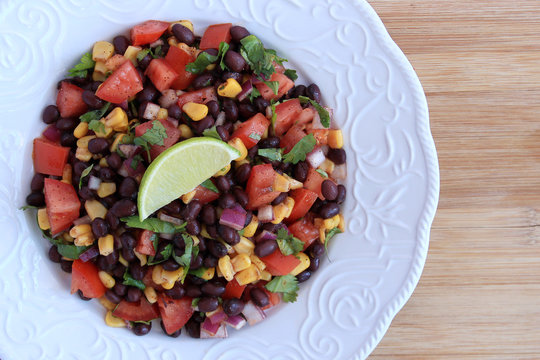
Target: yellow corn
point(204, 233)
point(322, 235)
point(67, 237)
point(97, 76)
point(331, 223)
point(106, 279)
point(186, 198)
point(238, 163)
point(114, 321)
point(289, 202)
point(82, 143)
point(43, 219)
point(195, 111)
point(142, 257)
point(172, 41)
point(117, 120)
point(131, 53)
point(172, 276)
point(257, 262)
point(123, 261)
point(223, 171)
point(83, 154)
point(157, 275)
point(185, 23)
point(79, 230)
point(95, 209)
point(209, 273)
point(106, 245)
point(265, 134)
point(102, 51)
point(106, 303)
point(84, 240)
point(116, 142)
point(103, 162)
point(280, 213)
point(335, 139)
point(100, 68)
point(249, 275)
point(162, 114)
point(281, 183)
point(327, 166)
point(105, 131)
point(150, 294)
point(240, 262)
point(81, 130)
point(293, 183)
point(266, 276)
point(230, 88)
point(167, 285)
point(238, 144)
point(226, 268)
point(195, 239)
point(304, 264)
point(341, 225)
point(106, 188)
point(245, 246)
point(250, 230)
point(185, 131)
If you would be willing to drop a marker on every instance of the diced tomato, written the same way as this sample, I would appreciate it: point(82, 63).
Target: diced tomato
point(201, 96)
point(62, 203)
point(173, 134)
point(178, 58)
point(285, 84)
point(145, 243)
point(123, 83)
point(303, 200)
point(305, 117)
point(233, 290)
point(214, 35)
point(320, 135)
point(174, 313)
point(278, 264)
point(115, 62)
point(293, 136)
point(304, 230)
point(161, 74)
point(69, 100)
point(205, 195)
point(313, 182)
point(49, 158)
point(147, 32)
point(273, 297)
point(84, 277)
point(286, 114)
point(136, 311)
point(251, 130)
point(279, 68)
point(259, 186)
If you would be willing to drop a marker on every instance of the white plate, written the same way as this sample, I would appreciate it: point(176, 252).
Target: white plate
point(393, 182)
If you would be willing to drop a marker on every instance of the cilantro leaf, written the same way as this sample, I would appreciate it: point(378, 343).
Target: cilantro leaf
point(94, 114)
point(212, 132)
point(69, 251)
point(167, 251)
point(329, 235)
point(271, 153)
point(300, 150)
point(287, 285)
point(223, 48)
point(153, 224)
point(322, 172)
point(130, 281)
point(96, 126)
point(288, 244)
point(198, 272)
point(291, 74)
point(210, 185)
point(85, 174)
point(156, 134)
point(135, 161)
point(254, 94)
point(142, 54)
point(201, 62)
point(323, 113)
point(190, 251)
point(273, 85)
point(255, 136)
point(258, 58)
point(157, 52)
point(27, 207)
point(81, 69)
point(195, 302)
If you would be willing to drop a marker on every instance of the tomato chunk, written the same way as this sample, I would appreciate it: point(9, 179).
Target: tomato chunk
point(233, 290)
point(320, 135)
point(201, 96)
point(286, 114)
point(161, 74)
point(259, 186)
point(178, 58)
point(49, 158)
point(273, 298)
point(174, 313)
point(291, 138)
point(214, 35)
point(278, 264)
point(62, 203)
point(84, 277)
point(69, 100)
point(303, 200)
point(173, 134)
point(205, 195)
point(285, 84)
point(123, 83)
point(136, 311)
point(313, 182)
point(304, 230)
point(252, 130)
point(147, 32)
point(305, 117)
point(145, 243)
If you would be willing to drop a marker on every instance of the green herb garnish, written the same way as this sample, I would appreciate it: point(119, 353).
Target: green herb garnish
point(287, 285)
point(84, 174)
point(130, 281)
point(81, 69)
point(212, 132)
point(300, 150)
point(291, 74)
point(322, 173)
point(288, 244)
point(323, 113)
point(94, 115)
point(271, 153)
point(153, 224)
point(210, 185)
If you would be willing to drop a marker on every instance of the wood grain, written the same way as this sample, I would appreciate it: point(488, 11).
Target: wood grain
point(479, 295)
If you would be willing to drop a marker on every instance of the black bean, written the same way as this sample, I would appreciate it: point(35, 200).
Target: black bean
point(178, 241)
point(299, 90)
point(121, 44)
point(174, 334)
point(65, 124)
point(118, 271)
point(240, 196)
point(193, 291)
point(79, 167)
point(203, 80)
point(67, 139)
point(213, 108)
point(149, 93)
point(301, 171)
point(54, 255)
point(170, 265)
point(207, 304)
point(109, 200)
point(128, 187)
point(329, 190)
point(265, 248)
point(259, 297)
point(66, 265)
point(124, 208)
point(84, 298)
point(241, 174)
point(342, 194)
point(210, 261)
point(231, 110)
point(193, 209)
point(174, 207)
point(133, 294)
point(114, 161)
point(222, 183)
point(223, 133)
point(329, 210)
point(100, 228)
point(193, 329)
point(201, 125)
point(316, 250)
point(98, 145)
point(338, 156)
point(208, 214)
point(50, 114)
point(216, 248)
point(106, 174)
point(253, 152)
point(313, 92)
point(212, 231)
point(314, 264)
point(226, 201)
point(202, 245)
point(281, 198)
point(141, 329)
point(174, 112)
point(247, 110)
point(183, 34)
point(229, 127)
point(232, 75)
point(234, 61)
point(196, 262)
point(112, 220)
point(36, 199)
point(120, 289)
point(213, 289)
point(37, 182)
point(213, 52)
point(128, 240)
point(193, 227)
point(177, 291)
point(102, 264)
point(303, 276)
point(137, 271)
point(112, 258)
point(233, 307)
point(269, 142)
point(145, 61)
point(238, 33)
point(273, 228)
point(113, 296)
point(229, 235)
point(91, 99)
point(261, 104)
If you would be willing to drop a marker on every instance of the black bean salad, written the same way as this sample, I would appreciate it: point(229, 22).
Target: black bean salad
point(233, 247)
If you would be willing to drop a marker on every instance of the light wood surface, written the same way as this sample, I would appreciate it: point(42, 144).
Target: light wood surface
point(479, 63)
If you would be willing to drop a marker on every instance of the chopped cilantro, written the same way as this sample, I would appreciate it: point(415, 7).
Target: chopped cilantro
point(156, 134)
point(287, 285)
point(157, 52)
point(212, 132)
point(323, 113)
point(130, 281)
point(255, 136)
point(258, 58)
point(272, 153)
point(329, 235)
point(190, 251)
point(97, 126)
point(69, 251)
point(135, 161)
point(204, 59)
point(288, 244)
point(195, 302)
point(300, 150)
point(210, 185)
point(81, 69)
point(273, 85)
point(27, 207)
point(94, 114)
point(254, 94)
point(274, 114)
point(322, 172)
point(291, 74)
point(85, 174)
point(142, 54)
point(153, 224)
point(223, 48)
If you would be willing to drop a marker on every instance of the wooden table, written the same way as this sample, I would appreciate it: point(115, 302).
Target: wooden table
point(479, 63)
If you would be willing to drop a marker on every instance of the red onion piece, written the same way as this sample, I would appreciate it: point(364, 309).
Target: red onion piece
point(209, 327)
point(89, 254)
point(220, 119)
point(247, 88)
point(268, 112)
point(82, 220)
point(340, 172)
point(52, 133)
point(170, 219)
point(173, 121)
point(265, 235)
point(237, 322)
point(129, 150)
point(253, 313)
point(168, 98)
point(124, 105)
point(151, 111)
point(233, 219)
point(127, 170)
point(265, 213)
point(316, 123)
point(239, 209)
point(166, 236)
point(316, 157)
point(221, 333)
point(218, 317)
point(94, 182)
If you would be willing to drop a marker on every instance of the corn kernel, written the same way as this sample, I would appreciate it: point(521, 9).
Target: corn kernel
point(281, 183)
point(293, 183)
point(223, 171)
point(83, 154)
point(167, 285)
point(240, 262)
point(117, 120)
point(106, 279)
point(204, 232)
point(304, 264)
point(142, 257)
point(150, 294)
point(266, 276)
point(226, 267)
point(238, 144)
point(103, 162)
point(157, 275)
point(230, 88)
point(195, 111)
point(95, 209)
point(100, 68)
point(81, 130)
point(114, 321)
point(289, 202)
point(185, 131)
point(250, 230)
point(106, 303)
point(331, 223)
point(327, 166)
point(84, 240)
point(122, 261)
point(106, 245)
point(280, 211)
point(341, 225)
point(171, 276)
point(106, 188)
point(255, 260)
point(162, 114)
point(238, 163)
point(185, 23)
point(83, 142)
point(104, 131)
point(79, 230)
point(67, 237)
point(43, 219)
point(335, 139)
point(116, 142)
point(208, 274)
point(245, 246)
point(322, 235)
point(131, 53)
point(97, 76)
point(102, 50)
point(265, 134)
point(186, 198)
point(195, 239)
point(172, 41)
point(249, 275)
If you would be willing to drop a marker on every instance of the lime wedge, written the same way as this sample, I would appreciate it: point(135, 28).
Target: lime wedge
point(179, 169)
